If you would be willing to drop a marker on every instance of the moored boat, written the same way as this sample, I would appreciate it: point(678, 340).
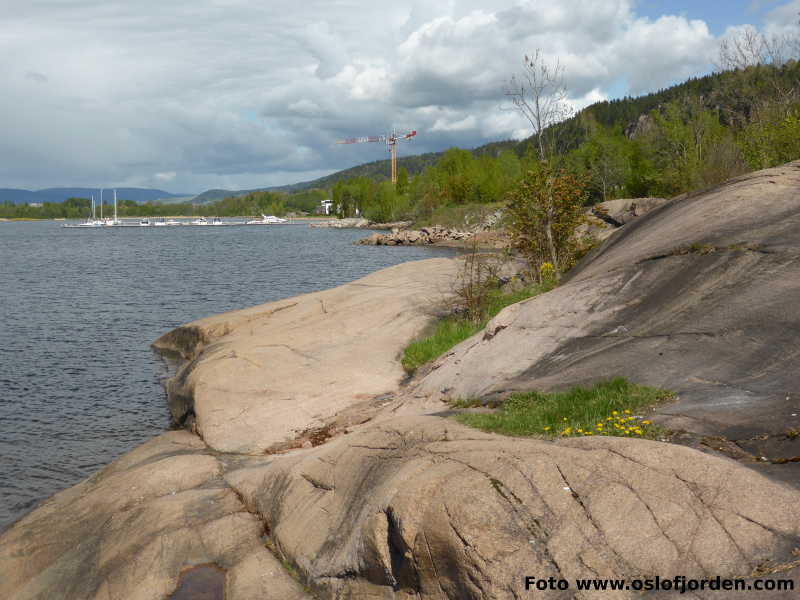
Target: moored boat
point(266, 220)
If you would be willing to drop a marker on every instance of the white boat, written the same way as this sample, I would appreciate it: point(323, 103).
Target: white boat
point(216, 221)
point(200, 221)
point(267, 220)
point(161, 223)
point(172, 222)
point(144, 223)
point(93, 221)
point(108, 221)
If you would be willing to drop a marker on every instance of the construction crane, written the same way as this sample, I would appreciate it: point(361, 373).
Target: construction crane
point(391, 141)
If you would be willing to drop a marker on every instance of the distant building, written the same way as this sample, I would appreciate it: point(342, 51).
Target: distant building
point(324, 207)
point(35, 204)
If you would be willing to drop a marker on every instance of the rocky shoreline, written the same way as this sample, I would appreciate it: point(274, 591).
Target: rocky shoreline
point(416, 237)
point(311, 468)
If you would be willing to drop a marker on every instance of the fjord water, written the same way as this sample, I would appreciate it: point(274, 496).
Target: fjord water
point(79, 309)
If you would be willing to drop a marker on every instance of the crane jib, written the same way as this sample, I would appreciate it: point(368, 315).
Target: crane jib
point(372, 138)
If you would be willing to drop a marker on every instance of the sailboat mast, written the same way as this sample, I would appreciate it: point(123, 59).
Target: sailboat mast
point(101, 204)
point(115, 207)
point(92, 207)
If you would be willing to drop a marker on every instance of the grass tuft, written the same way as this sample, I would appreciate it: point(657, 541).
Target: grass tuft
point(611, 407)
point(455, 329)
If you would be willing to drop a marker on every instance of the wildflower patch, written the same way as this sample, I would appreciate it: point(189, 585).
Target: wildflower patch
point(613, 408)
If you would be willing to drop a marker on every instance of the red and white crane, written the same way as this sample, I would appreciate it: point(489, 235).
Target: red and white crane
point(391, 141)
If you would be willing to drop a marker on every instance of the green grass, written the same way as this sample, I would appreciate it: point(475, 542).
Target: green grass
point(455, 329)
point(615, 407)
point(448, 332)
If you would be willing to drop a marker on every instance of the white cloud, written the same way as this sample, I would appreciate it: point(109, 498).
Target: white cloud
point(467, 123)
point(165, 177)
point(218, 93)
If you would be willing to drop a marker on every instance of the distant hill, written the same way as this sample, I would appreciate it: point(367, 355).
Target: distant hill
point(16, 196)
point(379, 169)
point(213, 195)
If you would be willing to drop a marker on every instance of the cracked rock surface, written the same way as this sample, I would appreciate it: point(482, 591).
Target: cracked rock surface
point(128, 532)
point(421, 507)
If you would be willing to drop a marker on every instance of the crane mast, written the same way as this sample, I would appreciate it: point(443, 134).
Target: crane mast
point(391, 141)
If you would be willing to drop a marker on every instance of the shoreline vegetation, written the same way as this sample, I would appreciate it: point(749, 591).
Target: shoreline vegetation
point(455, 328)
point(614, 407)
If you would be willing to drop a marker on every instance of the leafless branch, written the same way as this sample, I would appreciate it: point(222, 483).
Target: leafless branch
point(539, 94)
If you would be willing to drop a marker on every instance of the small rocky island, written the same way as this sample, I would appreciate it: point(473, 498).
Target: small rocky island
point(310, 466)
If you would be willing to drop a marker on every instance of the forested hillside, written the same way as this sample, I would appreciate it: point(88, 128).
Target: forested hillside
point(687, 137)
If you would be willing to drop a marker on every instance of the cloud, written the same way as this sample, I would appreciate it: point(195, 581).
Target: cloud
point(193, 94)
point(165, 177)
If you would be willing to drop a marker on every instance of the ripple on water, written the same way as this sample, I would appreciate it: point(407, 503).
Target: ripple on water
point(79, 309)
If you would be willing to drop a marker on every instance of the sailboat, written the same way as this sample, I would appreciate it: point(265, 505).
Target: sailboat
point(109, 222)
point(91, 221)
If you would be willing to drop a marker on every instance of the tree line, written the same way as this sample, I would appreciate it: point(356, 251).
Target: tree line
point(254, 203)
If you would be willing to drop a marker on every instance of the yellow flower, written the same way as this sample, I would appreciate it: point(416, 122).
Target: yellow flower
point(580, 430)
point(609, 419)
point(600, 425)
point(615, 413)
point(589, 433)
point(627, 412)
point(547, 428)
point(564, 419)
point(646, 422)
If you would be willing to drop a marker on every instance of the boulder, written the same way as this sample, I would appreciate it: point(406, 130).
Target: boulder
point(132, 530)
point(622, 211)
point(422, 507)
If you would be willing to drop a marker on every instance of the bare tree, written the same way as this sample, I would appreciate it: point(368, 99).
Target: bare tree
point(539, 94)
point(745, 48)
point(748, 47)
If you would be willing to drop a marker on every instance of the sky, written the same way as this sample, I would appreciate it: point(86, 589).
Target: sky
point(188, 95)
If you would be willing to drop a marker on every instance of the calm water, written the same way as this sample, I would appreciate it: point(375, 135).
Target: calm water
point(79, 308)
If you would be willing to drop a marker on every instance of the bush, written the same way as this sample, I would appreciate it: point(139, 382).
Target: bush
point(543, 213)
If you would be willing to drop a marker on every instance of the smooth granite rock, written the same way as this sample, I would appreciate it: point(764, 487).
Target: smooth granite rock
point(261, 376)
